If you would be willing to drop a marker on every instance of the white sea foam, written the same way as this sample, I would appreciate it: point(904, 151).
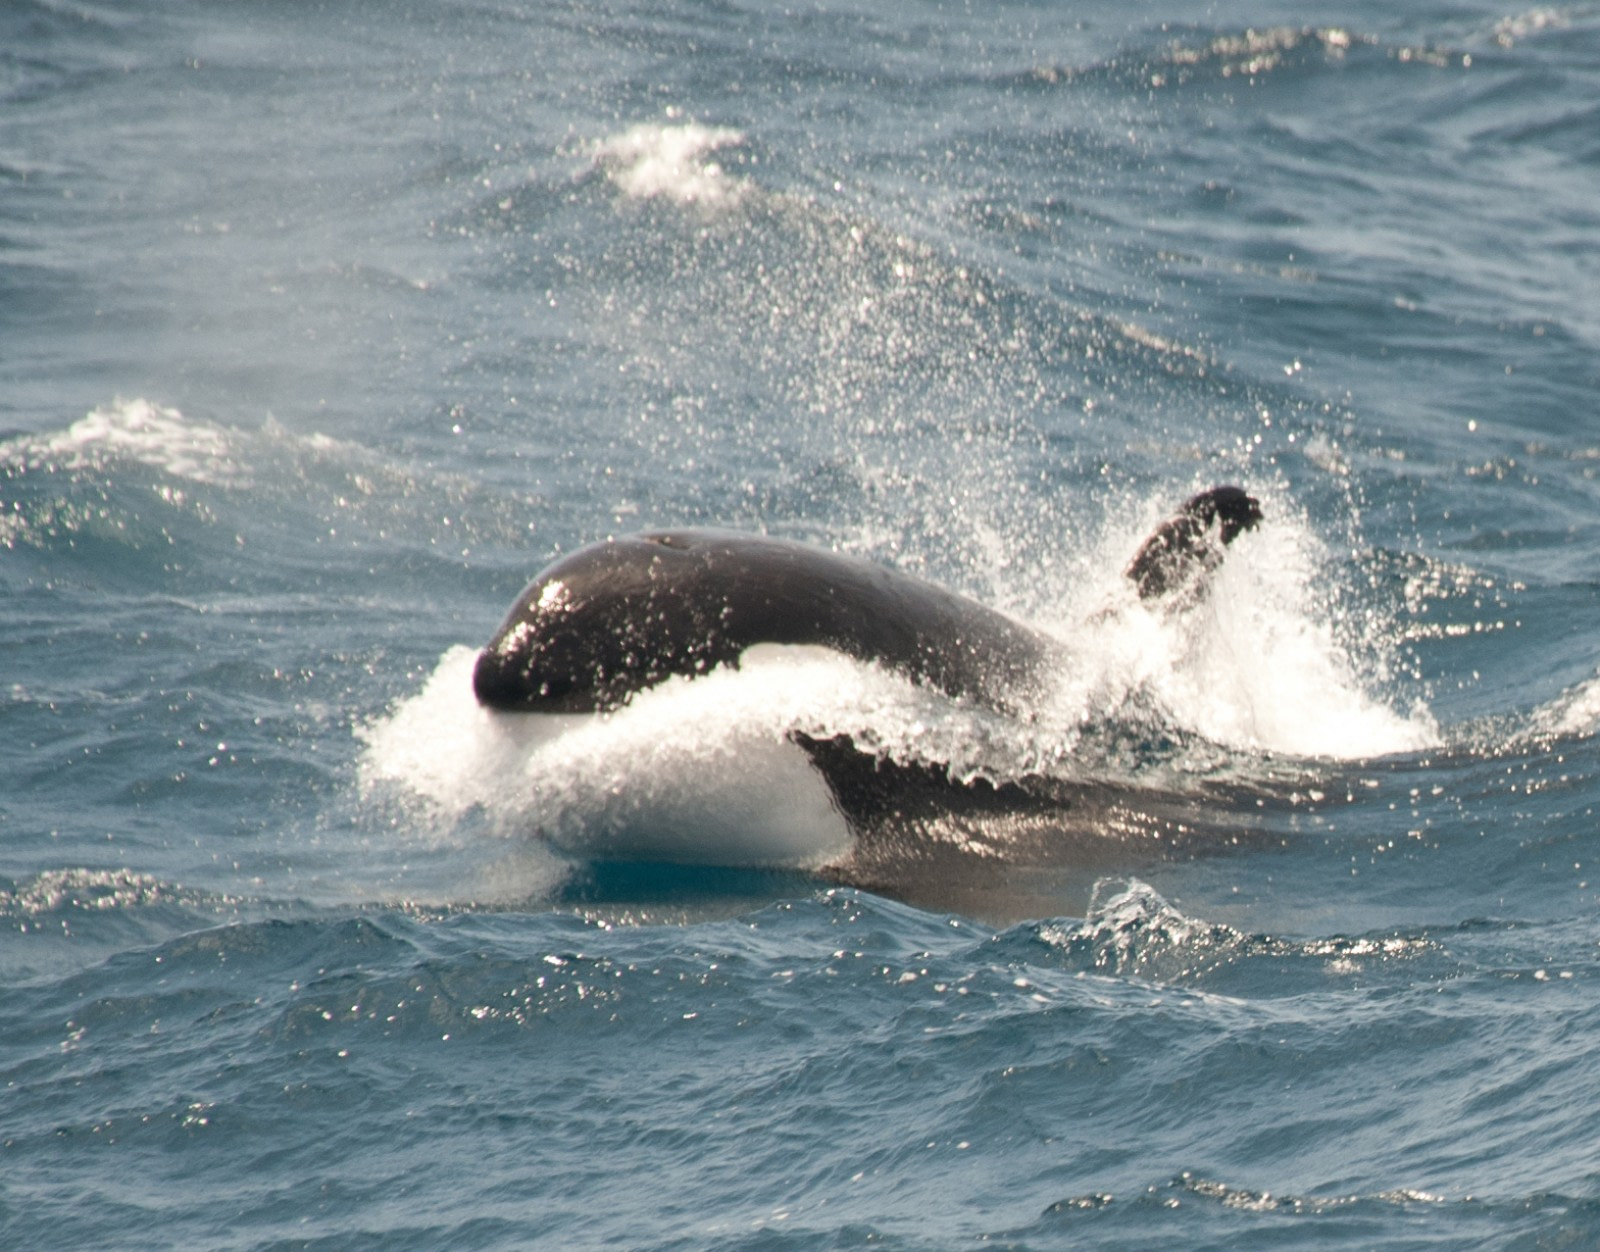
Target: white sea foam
point(1258, 665)
point(1576, 712)
point(136, 430)
point(672, 162)
point(686, 772)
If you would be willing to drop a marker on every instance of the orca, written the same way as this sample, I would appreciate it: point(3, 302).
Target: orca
point(616, 617)
point(610, 620)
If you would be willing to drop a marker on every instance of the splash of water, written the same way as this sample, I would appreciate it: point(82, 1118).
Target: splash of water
point(695, 772)
point(672, 162)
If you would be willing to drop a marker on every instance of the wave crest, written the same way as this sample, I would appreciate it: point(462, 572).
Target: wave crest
point(652, 161)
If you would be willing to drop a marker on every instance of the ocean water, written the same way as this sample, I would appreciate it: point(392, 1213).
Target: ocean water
point(324, 326)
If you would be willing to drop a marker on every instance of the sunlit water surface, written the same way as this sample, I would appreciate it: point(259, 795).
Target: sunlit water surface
point(323, 327)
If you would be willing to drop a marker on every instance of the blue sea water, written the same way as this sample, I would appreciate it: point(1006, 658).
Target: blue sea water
point(323, 326)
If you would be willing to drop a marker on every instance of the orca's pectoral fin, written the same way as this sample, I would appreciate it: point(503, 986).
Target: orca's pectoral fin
point(1175, 561)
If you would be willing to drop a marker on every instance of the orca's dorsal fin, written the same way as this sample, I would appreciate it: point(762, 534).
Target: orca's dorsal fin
point(1172, 565)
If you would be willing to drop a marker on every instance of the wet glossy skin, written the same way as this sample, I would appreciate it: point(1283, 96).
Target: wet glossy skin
point(619, 616)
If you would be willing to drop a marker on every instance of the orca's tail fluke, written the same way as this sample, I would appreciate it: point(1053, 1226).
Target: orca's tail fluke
point(1174, 563)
